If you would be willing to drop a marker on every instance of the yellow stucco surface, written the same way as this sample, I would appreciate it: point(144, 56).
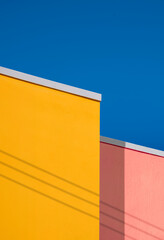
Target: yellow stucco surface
point(49, 161)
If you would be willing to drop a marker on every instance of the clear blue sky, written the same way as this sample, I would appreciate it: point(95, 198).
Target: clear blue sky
point(113, 47)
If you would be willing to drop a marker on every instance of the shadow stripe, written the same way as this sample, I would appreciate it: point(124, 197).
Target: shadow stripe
point(49, 184)
point(112, 229)
point(139, 219)
point(63, 203)
point(76, 185)
point(138, 229)
point(47, 196)
point(50, 173)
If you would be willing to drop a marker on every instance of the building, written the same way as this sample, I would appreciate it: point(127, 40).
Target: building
point(60, 180)
point(49, 159)
point(131, 191)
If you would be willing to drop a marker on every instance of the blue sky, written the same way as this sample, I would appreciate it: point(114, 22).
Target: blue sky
point(113, 47)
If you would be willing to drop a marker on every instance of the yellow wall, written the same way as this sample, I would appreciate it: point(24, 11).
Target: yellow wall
point(46, 138)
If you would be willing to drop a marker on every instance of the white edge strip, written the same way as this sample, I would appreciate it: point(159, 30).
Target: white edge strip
point(50, 84)
point(132, 146)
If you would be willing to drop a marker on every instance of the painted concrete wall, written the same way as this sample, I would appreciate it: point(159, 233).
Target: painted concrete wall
point(131, 194)
point(144, 195)
point(111, 192)
point(49, 163)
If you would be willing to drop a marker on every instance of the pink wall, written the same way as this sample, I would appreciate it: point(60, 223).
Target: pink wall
point(144, 195)
point(131, 194)
point(111, 192)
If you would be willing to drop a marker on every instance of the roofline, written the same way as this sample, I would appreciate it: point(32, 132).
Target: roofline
point(50, 84)
point(132, 146)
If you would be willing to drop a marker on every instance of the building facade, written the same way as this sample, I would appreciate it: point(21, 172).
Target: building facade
point(60, 180)
point(49, 159)
point(131, 191)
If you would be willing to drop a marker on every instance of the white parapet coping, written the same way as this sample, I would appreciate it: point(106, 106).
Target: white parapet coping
point(50, 84)
point(132, 146)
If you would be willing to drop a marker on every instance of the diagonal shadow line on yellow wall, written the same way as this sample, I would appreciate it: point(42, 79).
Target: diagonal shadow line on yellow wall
point(101, 212)
point(49, 184)
point(71, 194)
point(49, 173)
point(47, 196)
point(63, 203)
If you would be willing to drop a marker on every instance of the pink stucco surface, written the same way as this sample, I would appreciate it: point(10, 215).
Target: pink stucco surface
point(131, 194)
point(111, 192)
point(144, 195)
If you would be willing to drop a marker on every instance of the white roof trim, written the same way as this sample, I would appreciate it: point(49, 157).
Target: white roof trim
point(50, 84)
point(132, 146)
